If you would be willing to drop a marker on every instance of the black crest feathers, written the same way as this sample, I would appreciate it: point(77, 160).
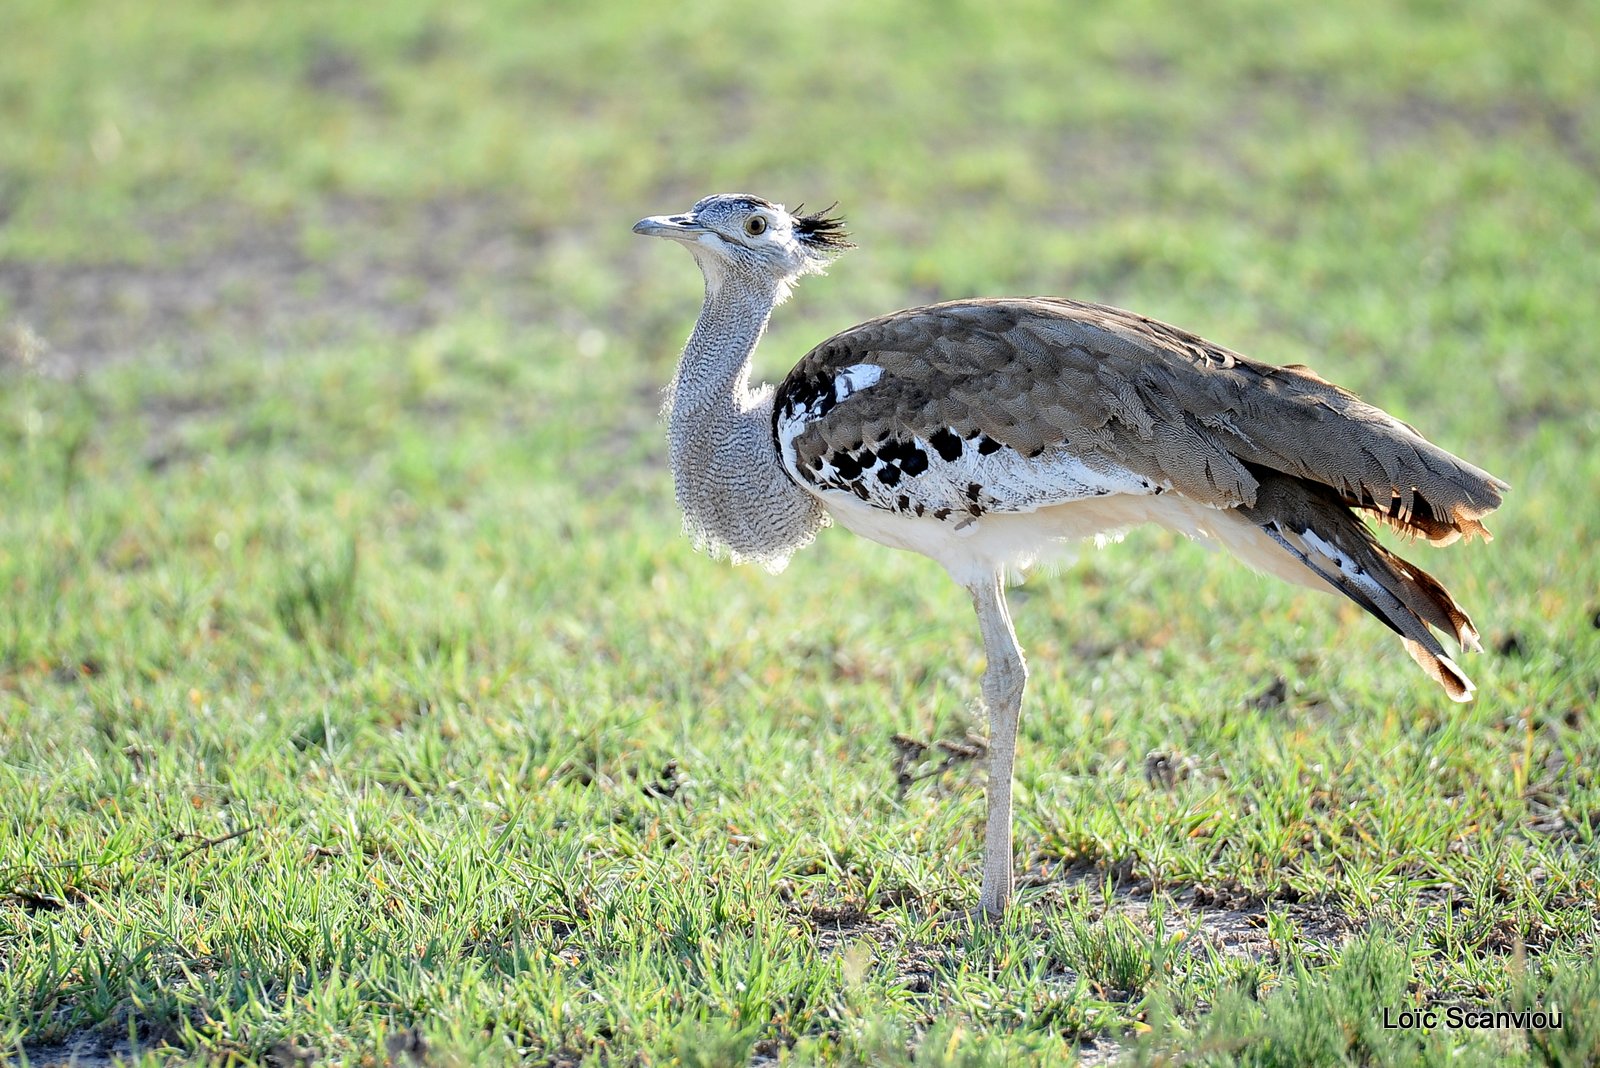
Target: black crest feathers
point(821, 230)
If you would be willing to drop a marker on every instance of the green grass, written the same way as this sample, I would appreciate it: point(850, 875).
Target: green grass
point(358, 693)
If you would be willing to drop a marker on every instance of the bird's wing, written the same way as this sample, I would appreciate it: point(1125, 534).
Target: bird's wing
point(1012, 405)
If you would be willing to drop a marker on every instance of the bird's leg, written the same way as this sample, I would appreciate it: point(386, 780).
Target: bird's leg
point(1004, 678)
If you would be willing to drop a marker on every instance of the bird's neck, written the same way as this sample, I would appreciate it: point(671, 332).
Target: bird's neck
point(714, 370)
point(727, 475)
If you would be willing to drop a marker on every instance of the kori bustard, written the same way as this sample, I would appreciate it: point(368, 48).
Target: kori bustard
point(986, 433)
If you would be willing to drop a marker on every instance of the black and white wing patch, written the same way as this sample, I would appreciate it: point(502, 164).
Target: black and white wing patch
point(948, 473)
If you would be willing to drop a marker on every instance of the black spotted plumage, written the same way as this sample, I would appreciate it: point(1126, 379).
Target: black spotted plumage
point(947, 443)
point(845, 465)
point(812, 392)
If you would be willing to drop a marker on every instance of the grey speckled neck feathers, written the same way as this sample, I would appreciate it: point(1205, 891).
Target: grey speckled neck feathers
point(727, 477)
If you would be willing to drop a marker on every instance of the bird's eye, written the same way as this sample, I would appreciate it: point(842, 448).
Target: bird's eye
point(755, 226)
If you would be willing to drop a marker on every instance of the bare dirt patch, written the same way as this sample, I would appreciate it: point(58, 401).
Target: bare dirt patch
point(227, 274)
point(835, 929)
point(1230, 919)
point(81, 1049)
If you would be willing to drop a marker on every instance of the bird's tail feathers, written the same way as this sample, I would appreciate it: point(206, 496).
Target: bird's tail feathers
point(1320, 531)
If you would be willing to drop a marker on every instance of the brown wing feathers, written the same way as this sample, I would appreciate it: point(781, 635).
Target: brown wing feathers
point(1376, 463)
point(1288, 419)
point(1136, 393)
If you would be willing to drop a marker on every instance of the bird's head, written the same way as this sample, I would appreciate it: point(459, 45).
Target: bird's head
point(739, 237)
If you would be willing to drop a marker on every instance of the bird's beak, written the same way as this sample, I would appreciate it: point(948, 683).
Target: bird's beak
point(678, 227)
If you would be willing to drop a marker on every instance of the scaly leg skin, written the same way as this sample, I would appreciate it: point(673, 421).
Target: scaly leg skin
point(1004, 678)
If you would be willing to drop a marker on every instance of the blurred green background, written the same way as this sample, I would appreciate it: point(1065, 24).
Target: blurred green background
point(334, 518)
